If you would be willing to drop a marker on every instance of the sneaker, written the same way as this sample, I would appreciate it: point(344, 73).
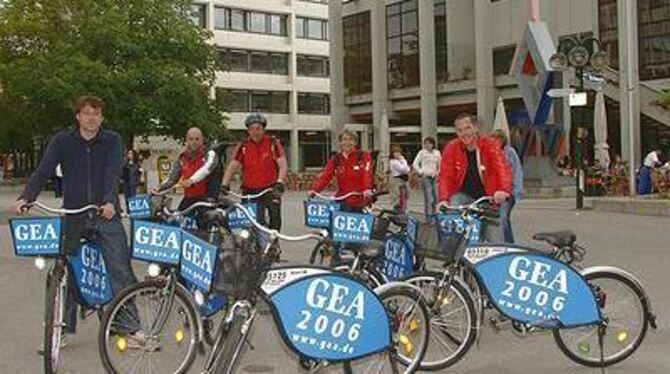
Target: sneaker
point(63, 344)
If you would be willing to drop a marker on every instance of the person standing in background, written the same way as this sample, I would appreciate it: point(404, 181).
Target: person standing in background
point(130, 176)
point(517, 184)
point(399, 169)
point(427, 165)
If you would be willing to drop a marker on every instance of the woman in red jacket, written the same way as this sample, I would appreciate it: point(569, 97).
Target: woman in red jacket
point(353, 171)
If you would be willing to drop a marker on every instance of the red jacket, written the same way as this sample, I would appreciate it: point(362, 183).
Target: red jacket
point(190, 163)
point(259, 162)
point(353, 174)
point(494, 169)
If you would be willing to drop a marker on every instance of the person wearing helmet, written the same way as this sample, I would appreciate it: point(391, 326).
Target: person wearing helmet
point(263, 163)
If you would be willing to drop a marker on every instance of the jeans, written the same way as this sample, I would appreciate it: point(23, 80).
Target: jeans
point(429, 195)
point(506, 219)
point(644, 188)
point(399, 194)
point(492, 234)
point(269, 204)
point(111, 237)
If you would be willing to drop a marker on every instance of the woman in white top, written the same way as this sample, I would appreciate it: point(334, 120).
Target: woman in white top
point(399, 169)
point(427, 165)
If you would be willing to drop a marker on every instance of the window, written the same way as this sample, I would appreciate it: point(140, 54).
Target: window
point(402, 37)
point(313, 66)
point(261, 101)
point(239, 60)
point(248, 21)
point(199, 15)
point(441, 54)
point(502, 59)
point(314, 148)
point(313, 103)
point(357, 53)
point(310, 28)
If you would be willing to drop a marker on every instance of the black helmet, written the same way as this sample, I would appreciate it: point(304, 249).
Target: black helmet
point(255, 118)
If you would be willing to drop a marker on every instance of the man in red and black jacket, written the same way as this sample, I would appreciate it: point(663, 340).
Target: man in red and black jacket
point(263, 162)
point(473, 166)
point(353, 171)
point(184, 168)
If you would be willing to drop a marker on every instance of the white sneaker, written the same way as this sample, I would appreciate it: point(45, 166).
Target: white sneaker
point(63, 344)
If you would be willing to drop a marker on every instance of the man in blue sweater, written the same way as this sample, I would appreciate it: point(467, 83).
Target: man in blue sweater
point(91, 161)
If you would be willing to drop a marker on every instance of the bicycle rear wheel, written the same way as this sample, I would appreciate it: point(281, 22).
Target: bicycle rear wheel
point(53, 318)
point(409, 320)
point(627, 317)
point(145, 330)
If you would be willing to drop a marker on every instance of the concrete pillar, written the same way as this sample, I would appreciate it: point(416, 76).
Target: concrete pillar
point(486, 98)
point(338, 108)
point(427, 69)
point(460, 39)
point(380, 101)
point(295, 151)
point(293, 101)
point(629, 90)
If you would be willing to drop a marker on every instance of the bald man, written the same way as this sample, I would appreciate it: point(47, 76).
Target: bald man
point(184, 168)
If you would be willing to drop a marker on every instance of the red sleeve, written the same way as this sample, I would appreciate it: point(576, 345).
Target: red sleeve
point(502, 172)
point(279, 149)
point(369, 175)
point(323, 179)
point(447, 173)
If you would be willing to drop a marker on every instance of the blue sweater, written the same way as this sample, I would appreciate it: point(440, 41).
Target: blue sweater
point(517, 172)
point(91, 169)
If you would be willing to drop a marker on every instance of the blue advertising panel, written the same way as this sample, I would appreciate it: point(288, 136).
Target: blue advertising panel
point(331, 317)
point(90, 274)
point(317, 212)
point(238, 220)
point(351, 227)
point(36, 236)
point(139, 207)
point(398, 258)
point(454, 223)
point(537, 289)
point(156, 243)
point(198, 260)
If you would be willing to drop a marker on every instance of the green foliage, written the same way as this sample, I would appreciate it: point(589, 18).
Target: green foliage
point(151, 64)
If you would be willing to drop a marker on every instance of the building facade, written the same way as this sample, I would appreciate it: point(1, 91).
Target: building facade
point(276, 58)
point(420, 63)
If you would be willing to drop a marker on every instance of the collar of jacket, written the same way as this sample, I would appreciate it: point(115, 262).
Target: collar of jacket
point(77, 135)
point(478, 155)
point(200, 152)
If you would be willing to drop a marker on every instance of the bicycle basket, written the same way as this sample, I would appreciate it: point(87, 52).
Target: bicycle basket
point(380, 228)
point(438, 237)
point(238, 267)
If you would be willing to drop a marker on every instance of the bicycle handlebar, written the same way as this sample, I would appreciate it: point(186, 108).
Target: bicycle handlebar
point(251, 196)
point(61, 210)
point(474, 206)
point(370, 193)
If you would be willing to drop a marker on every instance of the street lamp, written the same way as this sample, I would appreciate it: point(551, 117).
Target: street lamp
point(582, 54)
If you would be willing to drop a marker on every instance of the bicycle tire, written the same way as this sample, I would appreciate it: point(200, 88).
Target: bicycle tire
point(462, 292)
point(153, 285)
point(630, 348)
point(396, 361)
point(317, 256)
point(53, 318)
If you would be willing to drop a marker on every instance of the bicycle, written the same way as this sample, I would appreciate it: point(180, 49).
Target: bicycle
point(179, 271)
point(42, 238)
point(354, 320)
point(537, 290)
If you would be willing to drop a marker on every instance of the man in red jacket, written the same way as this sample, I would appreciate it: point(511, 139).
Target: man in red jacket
point(353, 170)
point(473, 166)
point(184, 168)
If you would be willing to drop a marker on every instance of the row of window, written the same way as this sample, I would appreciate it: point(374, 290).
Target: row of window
point(240, 60)
point(273, 101)
point(260, 22)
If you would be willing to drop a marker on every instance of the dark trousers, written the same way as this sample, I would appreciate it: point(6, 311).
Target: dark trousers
point(111, 237)
point(269, 205)
point(58, 187)
point(128, 192)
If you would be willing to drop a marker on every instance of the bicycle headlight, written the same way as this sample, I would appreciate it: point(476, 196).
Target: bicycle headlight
point(199, 297)
point(154, 270)
point(40, 263)
point(244, 234)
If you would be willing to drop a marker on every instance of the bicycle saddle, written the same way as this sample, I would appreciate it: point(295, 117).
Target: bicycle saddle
point(558, 238)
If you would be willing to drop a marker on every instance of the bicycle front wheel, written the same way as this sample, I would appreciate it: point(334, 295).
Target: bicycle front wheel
point(148, 329)
point(53, 318)
point(453, 320)
point(626, 316)
point(409, 319)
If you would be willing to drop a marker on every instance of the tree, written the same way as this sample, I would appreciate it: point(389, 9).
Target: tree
point(147, 59)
